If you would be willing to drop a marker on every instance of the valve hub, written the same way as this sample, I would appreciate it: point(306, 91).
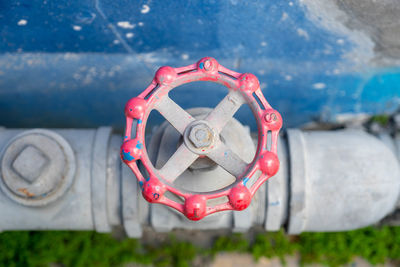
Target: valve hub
point(199, 137)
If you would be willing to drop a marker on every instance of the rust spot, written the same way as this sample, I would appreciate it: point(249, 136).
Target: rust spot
point(26, 192)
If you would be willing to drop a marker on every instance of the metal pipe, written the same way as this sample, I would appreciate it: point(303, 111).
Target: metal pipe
point(328, 181)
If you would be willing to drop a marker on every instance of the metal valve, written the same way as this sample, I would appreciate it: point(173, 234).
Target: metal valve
point(201, 138)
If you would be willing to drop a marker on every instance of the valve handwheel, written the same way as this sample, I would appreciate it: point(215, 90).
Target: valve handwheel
point(201, 138)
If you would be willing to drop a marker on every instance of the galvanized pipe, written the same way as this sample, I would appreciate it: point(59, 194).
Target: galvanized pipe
point(328, 181)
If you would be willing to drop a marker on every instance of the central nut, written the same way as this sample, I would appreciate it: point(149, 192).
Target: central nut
point(201, 135)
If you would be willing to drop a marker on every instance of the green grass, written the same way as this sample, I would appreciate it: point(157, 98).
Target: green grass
point(381, 119)
point(94, 249)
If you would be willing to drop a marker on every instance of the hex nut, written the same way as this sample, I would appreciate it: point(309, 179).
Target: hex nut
point(201, 135)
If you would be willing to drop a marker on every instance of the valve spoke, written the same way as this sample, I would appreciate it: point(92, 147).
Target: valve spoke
point(225, 110)
point(178, 163)
point(173, 113)
point(227, 159)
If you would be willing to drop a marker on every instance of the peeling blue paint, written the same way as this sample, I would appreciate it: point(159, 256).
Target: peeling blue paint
point(139, 145)
point(303, 71)
point(127, 156)
point(245, 180)
point(276, 203)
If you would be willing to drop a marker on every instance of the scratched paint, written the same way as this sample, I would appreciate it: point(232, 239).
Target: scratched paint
point(92, 76)
point(139, 145)
point(206, 69)
point(127, 156)
point(276, 203)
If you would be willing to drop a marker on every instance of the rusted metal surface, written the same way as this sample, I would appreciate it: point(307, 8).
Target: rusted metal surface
point(37, 167)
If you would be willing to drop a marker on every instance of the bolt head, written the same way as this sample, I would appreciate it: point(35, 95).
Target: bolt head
point(30, 163)
point(201, 135)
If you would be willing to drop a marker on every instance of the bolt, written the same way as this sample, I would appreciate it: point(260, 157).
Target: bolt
point(201, 135)
point(30, 163)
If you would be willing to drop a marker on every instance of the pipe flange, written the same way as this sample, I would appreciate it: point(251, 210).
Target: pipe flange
point(37, 167)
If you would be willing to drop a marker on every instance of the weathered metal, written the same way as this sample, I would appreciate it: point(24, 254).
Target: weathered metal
point(327, 181)
point(37, 167)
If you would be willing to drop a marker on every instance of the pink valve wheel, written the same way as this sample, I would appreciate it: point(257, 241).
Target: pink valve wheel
point(201, 138)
